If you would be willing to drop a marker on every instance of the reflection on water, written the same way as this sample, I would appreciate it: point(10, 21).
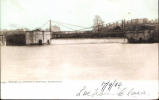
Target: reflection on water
point(87, 61)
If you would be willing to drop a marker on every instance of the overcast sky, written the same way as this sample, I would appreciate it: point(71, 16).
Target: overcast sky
point(34, 13)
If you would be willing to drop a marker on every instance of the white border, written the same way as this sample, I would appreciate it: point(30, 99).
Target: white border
point(70, 89)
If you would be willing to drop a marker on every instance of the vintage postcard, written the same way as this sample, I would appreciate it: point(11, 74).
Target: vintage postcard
point(79, 49)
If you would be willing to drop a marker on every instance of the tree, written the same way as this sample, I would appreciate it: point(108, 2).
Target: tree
point(98, 24)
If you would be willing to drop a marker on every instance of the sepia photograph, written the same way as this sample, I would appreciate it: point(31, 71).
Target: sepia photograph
point(79, 40)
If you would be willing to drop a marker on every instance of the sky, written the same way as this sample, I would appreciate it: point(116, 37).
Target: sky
point(35, 13)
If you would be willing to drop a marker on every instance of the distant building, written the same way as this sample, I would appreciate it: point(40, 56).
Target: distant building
point(140, 36)
point(38, 37)
point(28, 37)
point(143, 33)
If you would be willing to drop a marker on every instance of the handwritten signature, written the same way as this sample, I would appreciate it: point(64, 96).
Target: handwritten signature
point(110, 88)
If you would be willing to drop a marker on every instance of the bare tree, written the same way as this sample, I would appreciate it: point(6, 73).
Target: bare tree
point(98, 24)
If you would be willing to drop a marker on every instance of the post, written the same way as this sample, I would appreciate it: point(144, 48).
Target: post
point(43, 35)
point(123, 28)
point(50, 26)
point(50, 30)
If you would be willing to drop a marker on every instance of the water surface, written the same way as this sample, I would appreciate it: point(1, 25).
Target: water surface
point(82, 59)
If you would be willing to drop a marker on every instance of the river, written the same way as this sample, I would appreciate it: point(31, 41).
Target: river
point(80, 59)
